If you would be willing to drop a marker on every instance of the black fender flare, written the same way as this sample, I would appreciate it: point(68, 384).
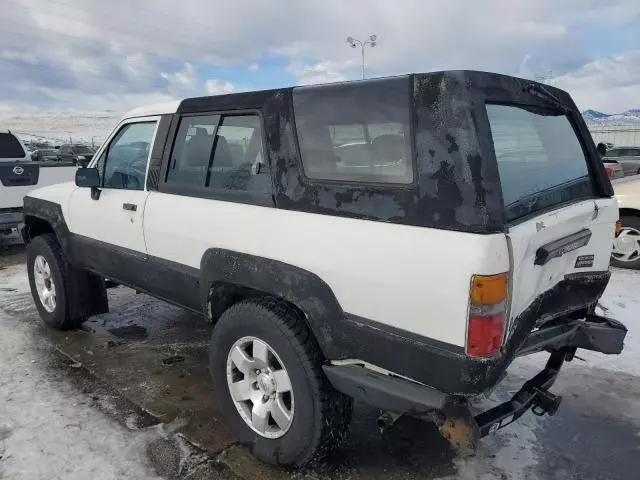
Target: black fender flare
point(87, 287)
point(46, 211)
point(302, 288)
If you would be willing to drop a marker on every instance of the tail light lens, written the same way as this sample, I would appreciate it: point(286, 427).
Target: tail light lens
point(487, 314)
point(609, 171)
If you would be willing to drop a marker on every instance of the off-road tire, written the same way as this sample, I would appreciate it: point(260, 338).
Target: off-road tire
point(48, 246)
point(322, 414)
point(633, 222)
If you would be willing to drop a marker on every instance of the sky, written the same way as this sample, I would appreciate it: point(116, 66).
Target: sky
point(118, 54)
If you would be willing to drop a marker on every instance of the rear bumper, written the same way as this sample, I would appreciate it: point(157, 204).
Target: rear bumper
point(447, 368)
point(452, 412)
point(10, 218)
point(399, 395)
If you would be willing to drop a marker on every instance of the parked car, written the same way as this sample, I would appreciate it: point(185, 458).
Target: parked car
point(626, 248)
point(76, 153)
point(627, 157)
point(612, 168)
point(11, 148)
point(480, 236)
point(19, 175)
point(45, 155)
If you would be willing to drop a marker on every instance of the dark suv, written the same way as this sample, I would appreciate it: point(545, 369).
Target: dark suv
point(75, 153)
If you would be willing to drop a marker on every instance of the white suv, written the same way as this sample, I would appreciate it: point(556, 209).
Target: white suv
point(472, 223)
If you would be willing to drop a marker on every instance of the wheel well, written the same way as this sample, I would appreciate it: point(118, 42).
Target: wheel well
point(629, 212)
point(34, 227)
point(223, 295)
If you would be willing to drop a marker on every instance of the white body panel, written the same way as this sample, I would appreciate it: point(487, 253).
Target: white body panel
point(11, 197)
point(106, 219)
point(412, 278)
point(530, 280)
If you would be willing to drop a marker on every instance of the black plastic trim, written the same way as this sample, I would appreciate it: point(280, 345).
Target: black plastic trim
point(559, 247)
point(383, 391)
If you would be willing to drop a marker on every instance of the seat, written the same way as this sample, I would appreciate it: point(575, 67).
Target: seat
point(318, 156)
point(198, 150)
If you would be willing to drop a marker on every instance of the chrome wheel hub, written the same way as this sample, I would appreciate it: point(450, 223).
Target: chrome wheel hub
point(44, 283)
point(260, 387)
point(626, 247)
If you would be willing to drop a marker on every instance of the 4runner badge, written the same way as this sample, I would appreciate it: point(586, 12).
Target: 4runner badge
point(584, 261)
point(18, 170)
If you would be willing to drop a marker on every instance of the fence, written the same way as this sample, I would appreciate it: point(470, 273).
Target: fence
point(618, 135)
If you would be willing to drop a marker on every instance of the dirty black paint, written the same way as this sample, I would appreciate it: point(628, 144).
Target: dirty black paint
point(457, 183)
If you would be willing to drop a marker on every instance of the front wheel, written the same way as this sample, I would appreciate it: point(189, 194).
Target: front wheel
point(47, 270)
point(626, 246)
point(267, 373)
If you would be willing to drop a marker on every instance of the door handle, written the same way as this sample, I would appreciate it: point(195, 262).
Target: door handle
point(130, 206)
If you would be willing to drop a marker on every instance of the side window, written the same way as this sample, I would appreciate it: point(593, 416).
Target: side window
point(192, 150)
point(239, 163)
point(355, 134)
point(124, 163)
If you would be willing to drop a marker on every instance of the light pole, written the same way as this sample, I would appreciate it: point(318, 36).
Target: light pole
point(371, 41)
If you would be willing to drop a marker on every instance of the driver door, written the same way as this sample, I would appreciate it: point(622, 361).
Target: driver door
point(114, 219)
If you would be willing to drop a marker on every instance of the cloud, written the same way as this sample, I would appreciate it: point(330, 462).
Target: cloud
point(607, 84)
point(320, 72)
point(254, 67)
point(184, 80)
point(217, 87)
point(80, 50)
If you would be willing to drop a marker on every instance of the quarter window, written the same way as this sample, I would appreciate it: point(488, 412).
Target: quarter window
point(123, 164)
point(355, 134)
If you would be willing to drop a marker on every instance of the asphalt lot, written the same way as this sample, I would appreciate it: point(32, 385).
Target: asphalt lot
point(145, 363)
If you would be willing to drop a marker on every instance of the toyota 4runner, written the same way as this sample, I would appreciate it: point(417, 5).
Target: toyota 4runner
point(399, 241)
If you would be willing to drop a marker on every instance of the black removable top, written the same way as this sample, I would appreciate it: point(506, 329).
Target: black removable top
point(421, 149)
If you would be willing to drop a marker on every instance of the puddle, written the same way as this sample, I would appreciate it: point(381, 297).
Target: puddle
point(129, 332)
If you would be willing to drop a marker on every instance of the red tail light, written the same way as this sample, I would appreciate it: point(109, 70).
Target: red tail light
point(485, 334)
point(609, 171)
point(487, 314)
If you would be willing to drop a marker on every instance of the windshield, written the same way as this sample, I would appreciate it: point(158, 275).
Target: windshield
point(540, 159)
point(10, 146)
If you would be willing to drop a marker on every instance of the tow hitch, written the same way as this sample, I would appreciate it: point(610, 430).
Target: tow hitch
point(534, 394)
point(463, 430)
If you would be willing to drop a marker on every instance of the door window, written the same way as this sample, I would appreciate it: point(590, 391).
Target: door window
point(123, 163)
point(238, 160)
point(192, 150)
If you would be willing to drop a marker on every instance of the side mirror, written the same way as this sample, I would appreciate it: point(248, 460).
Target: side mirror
point(34, 156)
point(87, 177)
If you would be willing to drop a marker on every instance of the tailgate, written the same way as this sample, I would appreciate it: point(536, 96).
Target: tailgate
point(16, 179)
point(545, 249)
point(558, 224)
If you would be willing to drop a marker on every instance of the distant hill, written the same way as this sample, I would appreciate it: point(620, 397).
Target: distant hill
point(630, 117)
point(58, 126)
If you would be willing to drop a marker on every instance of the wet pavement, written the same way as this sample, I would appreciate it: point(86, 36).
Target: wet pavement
point(153, 357)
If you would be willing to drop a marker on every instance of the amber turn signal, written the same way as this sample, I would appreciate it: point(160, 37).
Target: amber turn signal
point(489, 289)
point(618, 227)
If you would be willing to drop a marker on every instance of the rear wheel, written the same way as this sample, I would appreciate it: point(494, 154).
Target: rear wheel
point(47, 270)
point(626, 247)
point(267, 372)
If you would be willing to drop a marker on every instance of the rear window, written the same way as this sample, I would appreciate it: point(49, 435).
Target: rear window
point(10, 146)
point(355, 133)
point(540, 159)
